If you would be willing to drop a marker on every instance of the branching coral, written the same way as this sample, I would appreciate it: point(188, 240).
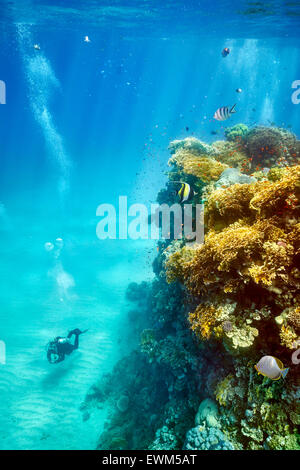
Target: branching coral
point(203, 319)
point(225, 206)
point(278, 197)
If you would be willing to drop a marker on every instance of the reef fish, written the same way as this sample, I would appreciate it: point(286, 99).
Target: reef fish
point(224, 113)
point(186, 193)
point(271, 367)
point(225, 52)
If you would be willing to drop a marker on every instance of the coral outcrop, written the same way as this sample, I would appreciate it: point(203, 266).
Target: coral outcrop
point(214, 309)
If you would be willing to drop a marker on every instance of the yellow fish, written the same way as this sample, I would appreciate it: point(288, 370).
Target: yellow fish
point(271, 367)
point(186, 193)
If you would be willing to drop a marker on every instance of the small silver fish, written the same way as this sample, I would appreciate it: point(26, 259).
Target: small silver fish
point(271, 367)
point(224, 113)
point(239, 90)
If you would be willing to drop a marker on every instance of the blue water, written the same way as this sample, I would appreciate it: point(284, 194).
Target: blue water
point(83, 123)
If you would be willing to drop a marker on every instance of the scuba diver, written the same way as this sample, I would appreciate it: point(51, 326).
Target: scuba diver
point(60, 346)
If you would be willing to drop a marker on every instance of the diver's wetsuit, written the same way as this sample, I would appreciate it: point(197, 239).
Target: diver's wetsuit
point(61, 346)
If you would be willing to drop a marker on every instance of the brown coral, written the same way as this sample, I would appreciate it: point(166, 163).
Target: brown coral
point(280, 197)
point(293, 318)
point(203, 319)
point(270, 145)
point(225, 206)
point(232, 154)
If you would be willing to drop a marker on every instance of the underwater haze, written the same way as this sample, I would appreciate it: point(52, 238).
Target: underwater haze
point(91, 95)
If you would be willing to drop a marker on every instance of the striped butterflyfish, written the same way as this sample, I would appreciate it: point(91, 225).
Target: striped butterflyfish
point(224, 113)
point(186, 193)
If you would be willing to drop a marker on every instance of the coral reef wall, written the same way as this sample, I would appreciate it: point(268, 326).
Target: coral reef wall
point(214, 309)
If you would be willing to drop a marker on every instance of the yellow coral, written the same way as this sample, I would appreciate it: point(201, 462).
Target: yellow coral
point(176, 262)
point(273, 197)
point(225, 206)
point(203, 167)
point(293, 318)
point(203, 319)
point(288, 337)
point(225, 390)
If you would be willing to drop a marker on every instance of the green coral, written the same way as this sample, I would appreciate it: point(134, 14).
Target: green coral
point(225, 390)
point(236, 132)
point(240, 338)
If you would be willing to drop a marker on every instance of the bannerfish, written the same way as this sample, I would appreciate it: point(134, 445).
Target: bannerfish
point(224, 113)
point(225, 52)
point(271, 367)
point(186, 193)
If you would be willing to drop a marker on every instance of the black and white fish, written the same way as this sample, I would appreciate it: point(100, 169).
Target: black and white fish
point(224, 113)
point(186, 193)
